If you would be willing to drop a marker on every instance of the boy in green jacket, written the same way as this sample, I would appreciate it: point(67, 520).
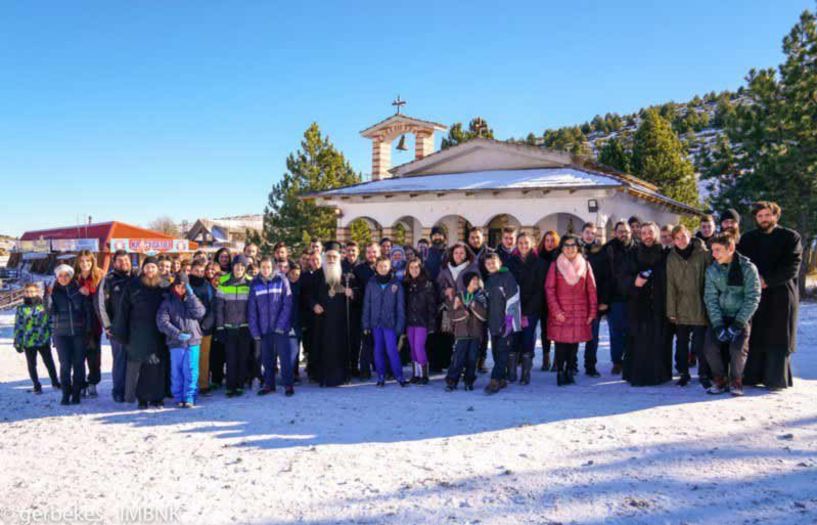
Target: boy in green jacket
point(32, 335)
point(731, 295)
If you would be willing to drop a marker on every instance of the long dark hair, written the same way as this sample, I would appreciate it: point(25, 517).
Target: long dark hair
point(422, 278)
point(449, 255)
point(229, 257)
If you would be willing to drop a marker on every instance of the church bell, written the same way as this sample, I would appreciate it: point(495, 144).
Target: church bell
point(401, 146)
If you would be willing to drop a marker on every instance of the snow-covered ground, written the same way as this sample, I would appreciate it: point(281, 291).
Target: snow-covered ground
point(598, 452)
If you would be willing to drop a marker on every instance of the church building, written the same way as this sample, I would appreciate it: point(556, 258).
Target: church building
point(490, 184)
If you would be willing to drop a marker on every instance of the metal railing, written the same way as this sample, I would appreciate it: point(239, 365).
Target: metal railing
point(11, 298)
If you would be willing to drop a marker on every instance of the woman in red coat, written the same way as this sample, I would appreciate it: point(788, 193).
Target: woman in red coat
point(572, 306)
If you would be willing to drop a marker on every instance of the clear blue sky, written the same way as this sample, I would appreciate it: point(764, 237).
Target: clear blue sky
point(130, 110)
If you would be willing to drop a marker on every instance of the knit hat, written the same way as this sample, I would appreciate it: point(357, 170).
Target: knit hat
point(241, 259)
point(436, 230)
point(180, 278)
point(63, 268)
point(467, 277)
point(731, 213)
point(150, 260)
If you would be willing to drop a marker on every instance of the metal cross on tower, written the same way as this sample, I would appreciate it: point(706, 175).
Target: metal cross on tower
point(398, 104)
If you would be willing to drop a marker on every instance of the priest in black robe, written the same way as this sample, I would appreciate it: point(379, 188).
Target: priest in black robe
point(648, 357)
point(777, 252)
point(334, 293)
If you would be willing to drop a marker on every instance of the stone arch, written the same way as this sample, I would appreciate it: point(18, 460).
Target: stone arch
point(355, 231)
point(455, 226)
point(493, 227)
point(412, 230)
point(561, 222)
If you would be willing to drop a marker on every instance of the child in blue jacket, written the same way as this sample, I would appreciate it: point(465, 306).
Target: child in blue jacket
point(269, 315)
point(384, 317)
point(32, 335)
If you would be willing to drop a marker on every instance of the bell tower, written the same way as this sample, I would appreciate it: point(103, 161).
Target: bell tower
point(386, 131)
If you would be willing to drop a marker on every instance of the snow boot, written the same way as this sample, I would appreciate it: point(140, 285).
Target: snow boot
point(481, 366)
point(493, 387)
point(616, 369)
point(591, 371)
point(469, 386)
point(415, 374)
point(92, 391)
point(424, 379)
point(527, 364)
point(513, 365)
point(289, 391)
point(718, 386)
point(66, 400)
point(684, 381)
point(38, 388)
point(736, 388)
point(450, 386)
point(545, 362)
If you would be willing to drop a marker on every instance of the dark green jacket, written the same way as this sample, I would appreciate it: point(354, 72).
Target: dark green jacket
point(725, 298)
point(685, 285)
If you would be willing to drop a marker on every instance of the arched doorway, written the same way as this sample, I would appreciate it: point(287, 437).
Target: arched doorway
point(561, 223)
point(455, 228)
point(494, 227)
point(407, 230)
point(364, 230)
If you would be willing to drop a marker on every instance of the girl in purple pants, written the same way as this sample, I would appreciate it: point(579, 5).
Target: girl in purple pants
point(421, 315)
point(384, 318)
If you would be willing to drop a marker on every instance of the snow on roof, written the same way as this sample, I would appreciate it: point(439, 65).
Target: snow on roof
point(540, 178)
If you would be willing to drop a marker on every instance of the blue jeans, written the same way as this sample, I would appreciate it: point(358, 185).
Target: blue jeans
point(466, 353)
point(184, 373)
point(500, 348)
point(120, 366)
point(71, 351)
point(279, 346)
point(527, 337)
point(591, 347)
point(617, 321)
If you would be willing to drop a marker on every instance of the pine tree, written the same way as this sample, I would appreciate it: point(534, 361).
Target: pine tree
point(478, 127)
point(360, 232)
point(776, 128)
point(660, 157)
point(614, 155)
point(317, 166)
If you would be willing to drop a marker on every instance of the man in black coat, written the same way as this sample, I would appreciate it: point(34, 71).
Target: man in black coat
point(363, 272)
point(348, 263)
point(109, 296)
point(434, 259)
point(777, 252)
point(593, 251)
point(135, 326)
point(617, 253)
point(311, 278)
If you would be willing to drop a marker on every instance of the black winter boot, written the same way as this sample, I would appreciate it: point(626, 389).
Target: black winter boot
point(527, 364)
point(513, 364)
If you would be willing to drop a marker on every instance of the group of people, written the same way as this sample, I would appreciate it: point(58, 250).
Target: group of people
point(183, 329)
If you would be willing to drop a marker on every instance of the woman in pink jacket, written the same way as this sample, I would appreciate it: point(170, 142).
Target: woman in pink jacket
point(571, 297)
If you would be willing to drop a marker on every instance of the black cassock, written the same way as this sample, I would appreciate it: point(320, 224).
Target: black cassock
point(778, 256)
point(648, 359)
point(332, 328)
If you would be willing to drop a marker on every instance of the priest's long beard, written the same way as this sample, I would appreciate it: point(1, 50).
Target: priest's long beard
point(332, 272)
point(151, 282)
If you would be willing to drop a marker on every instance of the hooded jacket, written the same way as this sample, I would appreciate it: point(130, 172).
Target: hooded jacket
point(269, 306)
point(421, 302)
point(504, 305)
point(69, 311)
point(732, 292)
point(176, 316)
point(31, 325)
point(231, 302)
point(468, 319)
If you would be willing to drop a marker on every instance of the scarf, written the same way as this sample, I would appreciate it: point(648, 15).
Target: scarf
point(572, 271)
point(383, 280)
point(457, 270)
point(195, 280)
point(686, 252)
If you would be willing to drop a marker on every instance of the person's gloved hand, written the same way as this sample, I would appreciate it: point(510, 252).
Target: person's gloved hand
point(257, 349)
point(721, 333)
point(153, 359)
point(184, 337)
point(735, 331)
